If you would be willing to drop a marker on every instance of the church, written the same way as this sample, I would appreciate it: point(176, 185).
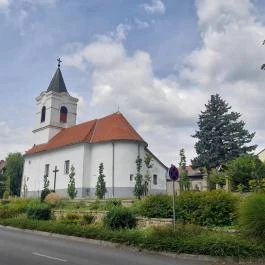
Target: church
point(60, 143)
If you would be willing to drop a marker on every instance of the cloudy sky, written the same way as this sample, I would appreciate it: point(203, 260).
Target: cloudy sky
point(158, 61)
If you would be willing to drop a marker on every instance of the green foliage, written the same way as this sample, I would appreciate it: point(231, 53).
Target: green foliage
point(88, 219)
point(14, 170)
point(2, 185)
point(217, 177)
point(109, 204)
point(252, 216)
point(221, 135)
point(101, 184)
point(54, 200)
point(184, 180)
point(46, 189)
point(139, 187)
point(39, 211)
point(71, 190)
point(243, 169)
point(186, 238)
point(154, 206)
point(120, 218)
point(6, 195)
point(147, 178)
point(212, 208)
point(257, 185)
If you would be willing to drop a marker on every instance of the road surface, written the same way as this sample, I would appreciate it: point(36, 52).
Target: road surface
point(27, 248)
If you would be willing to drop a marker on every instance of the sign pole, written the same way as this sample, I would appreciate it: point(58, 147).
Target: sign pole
point(174, 213)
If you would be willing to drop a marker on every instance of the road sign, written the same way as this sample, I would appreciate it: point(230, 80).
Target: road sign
point(173, 173)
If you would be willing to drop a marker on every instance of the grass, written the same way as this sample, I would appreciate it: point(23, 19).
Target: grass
point(186, 239)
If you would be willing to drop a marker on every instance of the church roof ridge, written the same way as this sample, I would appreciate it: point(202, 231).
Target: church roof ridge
point(112, 127)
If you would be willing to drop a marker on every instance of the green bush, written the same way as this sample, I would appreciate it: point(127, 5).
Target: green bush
point(119, 217)
point(39, 211)
point(252, 216)
point(43, 194)
point(212, 208)
point(109, 204)
point(6, 195)
point(8, 212)
point(156, 206)
point(87, 219)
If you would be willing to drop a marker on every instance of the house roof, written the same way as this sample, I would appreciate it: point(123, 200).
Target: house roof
point(57, 83)
point(109, 128)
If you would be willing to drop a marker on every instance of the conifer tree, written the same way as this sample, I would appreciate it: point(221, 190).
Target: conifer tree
point(46, 189)
point(139, 182)
point(147, 178)
point(184, 181)
point(221, 135)
point(71, 190)
point(101, 184)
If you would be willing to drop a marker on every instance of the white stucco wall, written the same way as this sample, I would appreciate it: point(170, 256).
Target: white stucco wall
point(35, 165)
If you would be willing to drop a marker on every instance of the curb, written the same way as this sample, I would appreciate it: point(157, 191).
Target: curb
point(193, 257)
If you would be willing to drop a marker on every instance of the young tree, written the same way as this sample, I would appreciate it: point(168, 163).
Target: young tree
point(221, 135)
point(243, 169)
point(46, 190)
point(2, 185)
point(71, 190)
point(14, 170)
point(147, 178)
point(101, 184)
point(139, 183)
point(184, 181)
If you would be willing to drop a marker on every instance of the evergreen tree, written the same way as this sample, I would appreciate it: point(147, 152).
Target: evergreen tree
point(184, 181)
point(147, 178)
point(46, 190)
point(14, 171)
point(71, 190)
point(139, 182)
point(101, 184)
point(221, 135)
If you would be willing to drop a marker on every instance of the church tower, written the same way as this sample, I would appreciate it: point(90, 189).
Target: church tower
point(56, 109)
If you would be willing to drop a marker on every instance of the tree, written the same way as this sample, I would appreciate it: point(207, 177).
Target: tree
point(218, 177)
point(46, 190)
point(101, 184)
point(221, 135)
point(184, 181)
point(14, 171)
point(139, 183)
point(147, 178)
point(71, 190)
point(243, 169)
point(2, 185)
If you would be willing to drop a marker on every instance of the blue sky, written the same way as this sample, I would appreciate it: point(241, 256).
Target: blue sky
point(158, 60)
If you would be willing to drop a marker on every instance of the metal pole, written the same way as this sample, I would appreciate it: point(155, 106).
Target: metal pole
point(174, 214)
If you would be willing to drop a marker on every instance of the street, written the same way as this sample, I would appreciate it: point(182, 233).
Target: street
point(26, 248)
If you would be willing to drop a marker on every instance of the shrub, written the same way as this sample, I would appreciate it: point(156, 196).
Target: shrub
point(252, 216)
point(119, 217)
point(7, 212)
point(72, 216)
point(54, 199)
point(43, 194)
point(87, 219)
point(6, 195)
point(96, 205)
point(39, 211)
point(157, 206)
point(109, 204)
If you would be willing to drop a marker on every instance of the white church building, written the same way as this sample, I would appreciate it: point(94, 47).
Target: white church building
point(60, 143)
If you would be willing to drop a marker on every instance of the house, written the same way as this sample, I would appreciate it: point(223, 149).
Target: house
point(198, 180)
point(60, 144)
point(261, 155)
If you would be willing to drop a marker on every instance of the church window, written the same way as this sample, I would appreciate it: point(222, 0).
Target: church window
point(46, 170)
point(63, 114)
point(43, 114)
point(131, 177)
point(155, 179)
point(66, 167)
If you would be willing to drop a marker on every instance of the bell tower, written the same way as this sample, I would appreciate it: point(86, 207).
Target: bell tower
point(56, 109)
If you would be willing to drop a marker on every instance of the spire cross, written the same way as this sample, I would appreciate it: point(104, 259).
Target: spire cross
point(59, 62)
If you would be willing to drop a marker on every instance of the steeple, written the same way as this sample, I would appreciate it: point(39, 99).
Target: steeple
point(57, 83)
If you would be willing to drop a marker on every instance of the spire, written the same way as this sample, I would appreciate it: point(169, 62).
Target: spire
point(57, 84)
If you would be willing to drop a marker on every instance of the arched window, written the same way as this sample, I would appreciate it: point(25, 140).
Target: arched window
point(43, 113)
point(63, 114)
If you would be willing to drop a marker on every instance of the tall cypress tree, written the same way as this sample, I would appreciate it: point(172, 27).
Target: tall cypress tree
point(221, 135)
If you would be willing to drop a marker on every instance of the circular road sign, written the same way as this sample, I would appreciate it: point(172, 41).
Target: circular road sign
point(173, 173)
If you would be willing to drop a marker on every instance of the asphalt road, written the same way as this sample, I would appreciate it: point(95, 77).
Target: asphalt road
point(26, 248)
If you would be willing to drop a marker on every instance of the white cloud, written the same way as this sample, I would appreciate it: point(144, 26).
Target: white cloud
point(165, 110)
point(141, 24)
point(156, 7)
point(4, 4)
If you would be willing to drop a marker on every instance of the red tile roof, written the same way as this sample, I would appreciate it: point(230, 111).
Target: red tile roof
point(109, 128)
